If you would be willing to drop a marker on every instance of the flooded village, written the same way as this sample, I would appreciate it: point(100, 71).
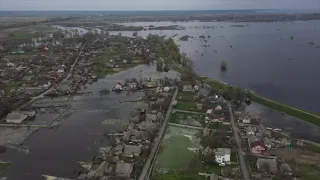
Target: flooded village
point(85, 103)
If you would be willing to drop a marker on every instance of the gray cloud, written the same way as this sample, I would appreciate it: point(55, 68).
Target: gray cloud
point(156, 4)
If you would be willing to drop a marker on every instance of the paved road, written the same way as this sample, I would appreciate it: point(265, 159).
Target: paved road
point(243, 165)
point(147, 166)
point(67, 77)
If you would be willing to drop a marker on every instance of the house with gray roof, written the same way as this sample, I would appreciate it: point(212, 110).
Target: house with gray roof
point(124, 169)
point(132, 150)
point(267, 165)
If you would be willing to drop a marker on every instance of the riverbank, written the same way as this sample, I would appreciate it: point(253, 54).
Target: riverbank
point(297, 113)
point(223, 87)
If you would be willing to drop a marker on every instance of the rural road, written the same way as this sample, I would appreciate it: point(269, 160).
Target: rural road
point(144, 175)
point(243, 165)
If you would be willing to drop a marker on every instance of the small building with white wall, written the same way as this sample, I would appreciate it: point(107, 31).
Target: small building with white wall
point(222, 155)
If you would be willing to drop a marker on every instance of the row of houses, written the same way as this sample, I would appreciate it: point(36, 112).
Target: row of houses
point(135, 143)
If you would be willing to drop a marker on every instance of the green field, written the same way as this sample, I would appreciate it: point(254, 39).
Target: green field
point(220, 126)
point(175, 146)
point(297, 113)
point(4, 165)
point(309, 172)
point(189, 106)
point(187, 96)
point(177, 117)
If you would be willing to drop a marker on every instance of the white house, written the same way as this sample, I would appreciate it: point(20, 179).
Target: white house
point(209, 111)
point(222, 155)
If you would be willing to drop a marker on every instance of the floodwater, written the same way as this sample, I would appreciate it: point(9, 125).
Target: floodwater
point(298, 129)
point(55, 151)
point(278, 60)
point(261, 56)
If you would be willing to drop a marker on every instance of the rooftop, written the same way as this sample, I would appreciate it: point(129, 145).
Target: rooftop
point(124, 169)
point(132, 150)
point(223, 151)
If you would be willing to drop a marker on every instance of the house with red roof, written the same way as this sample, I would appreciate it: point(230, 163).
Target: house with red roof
point(257, 146)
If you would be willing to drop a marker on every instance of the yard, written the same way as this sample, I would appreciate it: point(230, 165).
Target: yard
point(220, 126)
point(309, 172)
point(187, 118)
point(186, 96)
point(10, 87)
point(179, 144)
point(188, 106)
point(178, 158)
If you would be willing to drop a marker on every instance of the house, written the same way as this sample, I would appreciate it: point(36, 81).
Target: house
point(262, 131)
point(285, 168)
point(196, 87)
point(267, 142)
point(206, 132)
point(151, 117)
point(147, 125)
point(124, 169)
point(218, 108)
point(285, 142)
point(244, 119)
point(222, 155)
point(130, 150)
point(267, 165)
point(209, 111)
point(250, 131)
point(256, 146)
point(17, 117)
point(187, 88)
point(2, 93)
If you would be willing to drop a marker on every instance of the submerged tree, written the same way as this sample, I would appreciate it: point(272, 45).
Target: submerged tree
point(135, 34)
point(159, 65)
point(223, 65)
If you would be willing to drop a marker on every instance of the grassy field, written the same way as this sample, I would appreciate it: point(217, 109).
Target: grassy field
point(9, 87)
point(189, 106)
point(309, 172)
point(187, 96)
point(177, 117)
point(4, 165)
point(297, 113)
point(211, 168)
point(220, 126)
point(175, 146)
point(26, 32)
point(178, 158)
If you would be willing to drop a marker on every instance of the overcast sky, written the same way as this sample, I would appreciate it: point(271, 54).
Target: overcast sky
point(156, 4)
